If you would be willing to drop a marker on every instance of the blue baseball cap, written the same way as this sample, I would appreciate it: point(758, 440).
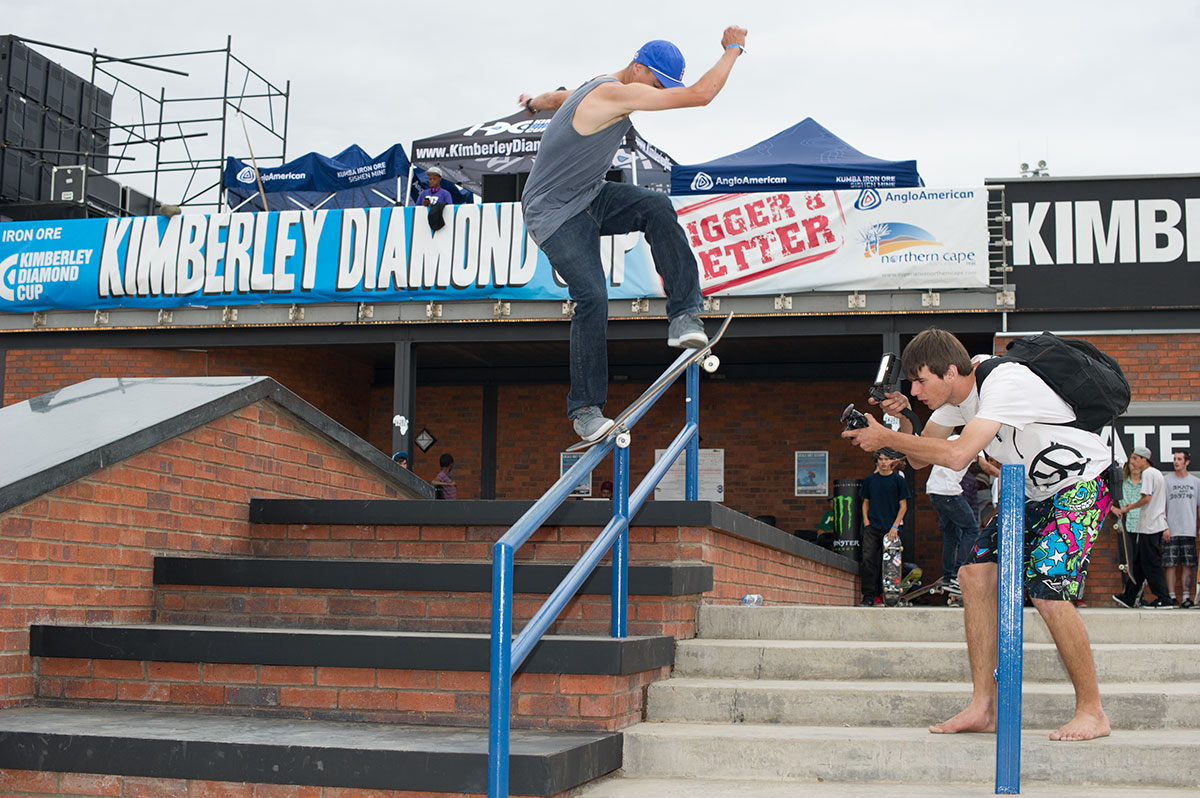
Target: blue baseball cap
point(664, 60)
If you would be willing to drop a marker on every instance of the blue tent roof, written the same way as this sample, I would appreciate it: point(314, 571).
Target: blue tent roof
point(350, 179)
point(805, 156)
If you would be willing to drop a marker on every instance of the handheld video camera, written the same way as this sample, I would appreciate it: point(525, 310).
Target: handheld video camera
point(852, 419)
point(887, 379)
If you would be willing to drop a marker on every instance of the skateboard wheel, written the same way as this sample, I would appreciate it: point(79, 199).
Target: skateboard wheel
point(712, 363)
point(624, 439)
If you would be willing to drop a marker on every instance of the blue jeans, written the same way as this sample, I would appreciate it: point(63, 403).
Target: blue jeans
point(574, 252)
point(959, 529)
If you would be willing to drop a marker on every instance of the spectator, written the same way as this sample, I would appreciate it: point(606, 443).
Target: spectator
point(446, 487)
point(606, 490)
point(885, 500)
point(1183, 505)
point(435, 194)
point(956, 520)
point(401, 459)
point(1146, 567)
point(991, 471)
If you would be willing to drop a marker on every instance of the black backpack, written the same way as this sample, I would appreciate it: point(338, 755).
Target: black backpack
point(1090, 381)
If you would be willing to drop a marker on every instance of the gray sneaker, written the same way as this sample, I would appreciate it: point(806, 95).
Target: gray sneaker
point(590, 423)
point(687, 332)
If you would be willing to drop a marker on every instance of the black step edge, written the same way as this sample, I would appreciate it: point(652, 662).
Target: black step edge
point(588, 757)
point(671, 579)
point(367, 512)
point(308, 648)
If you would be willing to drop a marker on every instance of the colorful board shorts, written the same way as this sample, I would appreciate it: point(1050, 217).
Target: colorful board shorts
point(1059, 533)
point(1179, 550)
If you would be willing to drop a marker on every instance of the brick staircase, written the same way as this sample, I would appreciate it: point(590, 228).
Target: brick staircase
point(165, 632)
point(323, 661)
point(819, 699)
point(300, 671)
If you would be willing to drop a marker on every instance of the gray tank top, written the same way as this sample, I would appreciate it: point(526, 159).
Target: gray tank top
point(569, 170)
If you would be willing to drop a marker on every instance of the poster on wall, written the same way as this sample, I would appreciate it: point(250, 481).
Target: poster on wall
point(812, 473)
point(712, 477)
point(567, 459)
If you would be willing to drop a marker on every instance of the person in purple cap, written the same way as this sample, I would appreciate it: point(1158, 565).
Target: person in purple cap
point(568, 206)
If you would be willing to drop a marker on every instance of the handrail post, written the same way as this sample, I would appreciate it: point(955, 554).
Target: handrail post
point(500, 688)
point(1009, 606)
point(691, 490)
point(620, 546)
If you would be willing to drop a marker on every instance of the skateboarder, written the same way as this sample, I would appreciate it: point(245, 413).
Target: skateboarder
point(568, 206)
point(1019, 418)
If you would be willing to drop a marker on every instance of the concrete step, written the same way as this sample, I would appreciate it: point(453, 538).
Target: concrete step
point(932, 624)
point(872, 754)
point(909, 661)
point(360, 756)
point(619, 786)
point(1130, 706)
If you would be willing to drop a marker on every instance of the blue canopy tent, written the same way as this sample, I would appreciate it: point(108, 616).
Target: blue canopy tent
point(806, 156)
point(350, 179)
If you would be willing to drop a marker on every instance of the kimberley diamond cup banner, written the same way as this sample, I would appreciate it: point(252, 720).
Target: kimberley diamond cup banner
point(745, 244)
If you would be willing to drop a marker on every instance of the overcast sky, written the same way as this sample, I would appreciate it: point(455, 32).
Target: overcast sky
point(968, 90)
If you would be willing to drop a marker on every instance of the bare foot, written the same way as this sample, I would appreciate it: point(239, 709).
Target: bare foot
point(1084, 726)
point(971, 719)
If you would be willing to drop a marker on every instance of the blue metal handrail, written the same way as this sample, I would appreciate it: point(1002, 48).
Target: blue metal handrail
point(507, 653)
point(1010, 588)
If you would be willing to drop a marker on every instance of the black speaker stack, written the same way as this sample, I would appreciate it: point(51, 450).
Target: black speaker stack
point(49, 117)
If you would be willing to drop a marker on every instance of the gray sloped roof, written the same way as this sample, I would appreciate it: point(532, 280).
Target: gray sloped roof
point(61, 436)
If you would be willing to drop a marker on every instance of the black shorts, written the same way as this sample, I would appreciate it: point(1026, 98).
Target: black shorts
point(1179, 551)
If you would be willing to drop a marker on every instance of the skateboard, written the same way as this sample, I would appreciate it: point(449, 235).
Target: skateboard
point(892, 571)
point(709, 362)
point(1125, 566)
point(934, 588)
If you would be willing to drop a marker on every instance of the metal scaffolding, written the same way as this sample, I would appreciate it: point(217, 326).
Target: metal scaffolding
point(177, 139)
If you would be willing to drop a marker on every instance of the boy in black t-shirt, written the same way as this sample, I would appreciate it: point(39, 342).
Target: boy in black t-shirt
point(885, 500)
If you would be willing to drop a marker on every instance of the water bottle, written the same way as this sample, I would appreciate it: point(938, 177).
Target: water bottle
point(752, 600)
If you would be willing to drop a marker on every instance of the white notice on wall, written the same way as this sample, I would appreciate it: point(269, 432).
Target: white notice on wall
point(712, 477)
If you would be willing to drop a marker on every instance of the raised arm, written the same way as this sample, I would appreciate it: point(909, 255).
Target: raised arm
point(614, 100)
point(546, 101)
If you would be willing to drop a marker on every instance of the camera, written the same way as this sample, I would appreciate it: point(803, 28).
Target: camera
point(852, 419)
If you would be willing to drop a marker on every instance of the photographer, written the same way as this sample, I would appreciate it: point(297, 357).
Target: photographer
point(1019, 418)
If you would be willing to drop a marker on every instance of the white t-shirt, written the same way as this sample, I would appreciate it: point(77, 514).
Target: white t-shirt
point(1033, 434)
point(1153, 516)
point(944, 482)
point(1183, 496)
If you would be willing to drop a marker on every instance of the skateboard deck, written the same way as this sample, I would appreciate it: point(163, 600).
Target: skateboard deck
point(700, 354)
point(1125, 566)
point(934, 588)
point(892, 571)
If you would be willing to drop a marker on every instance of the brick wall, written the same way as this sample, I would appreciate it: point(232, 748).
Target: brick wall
point(578, 702)
point(326, 378)
point(84, 553)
